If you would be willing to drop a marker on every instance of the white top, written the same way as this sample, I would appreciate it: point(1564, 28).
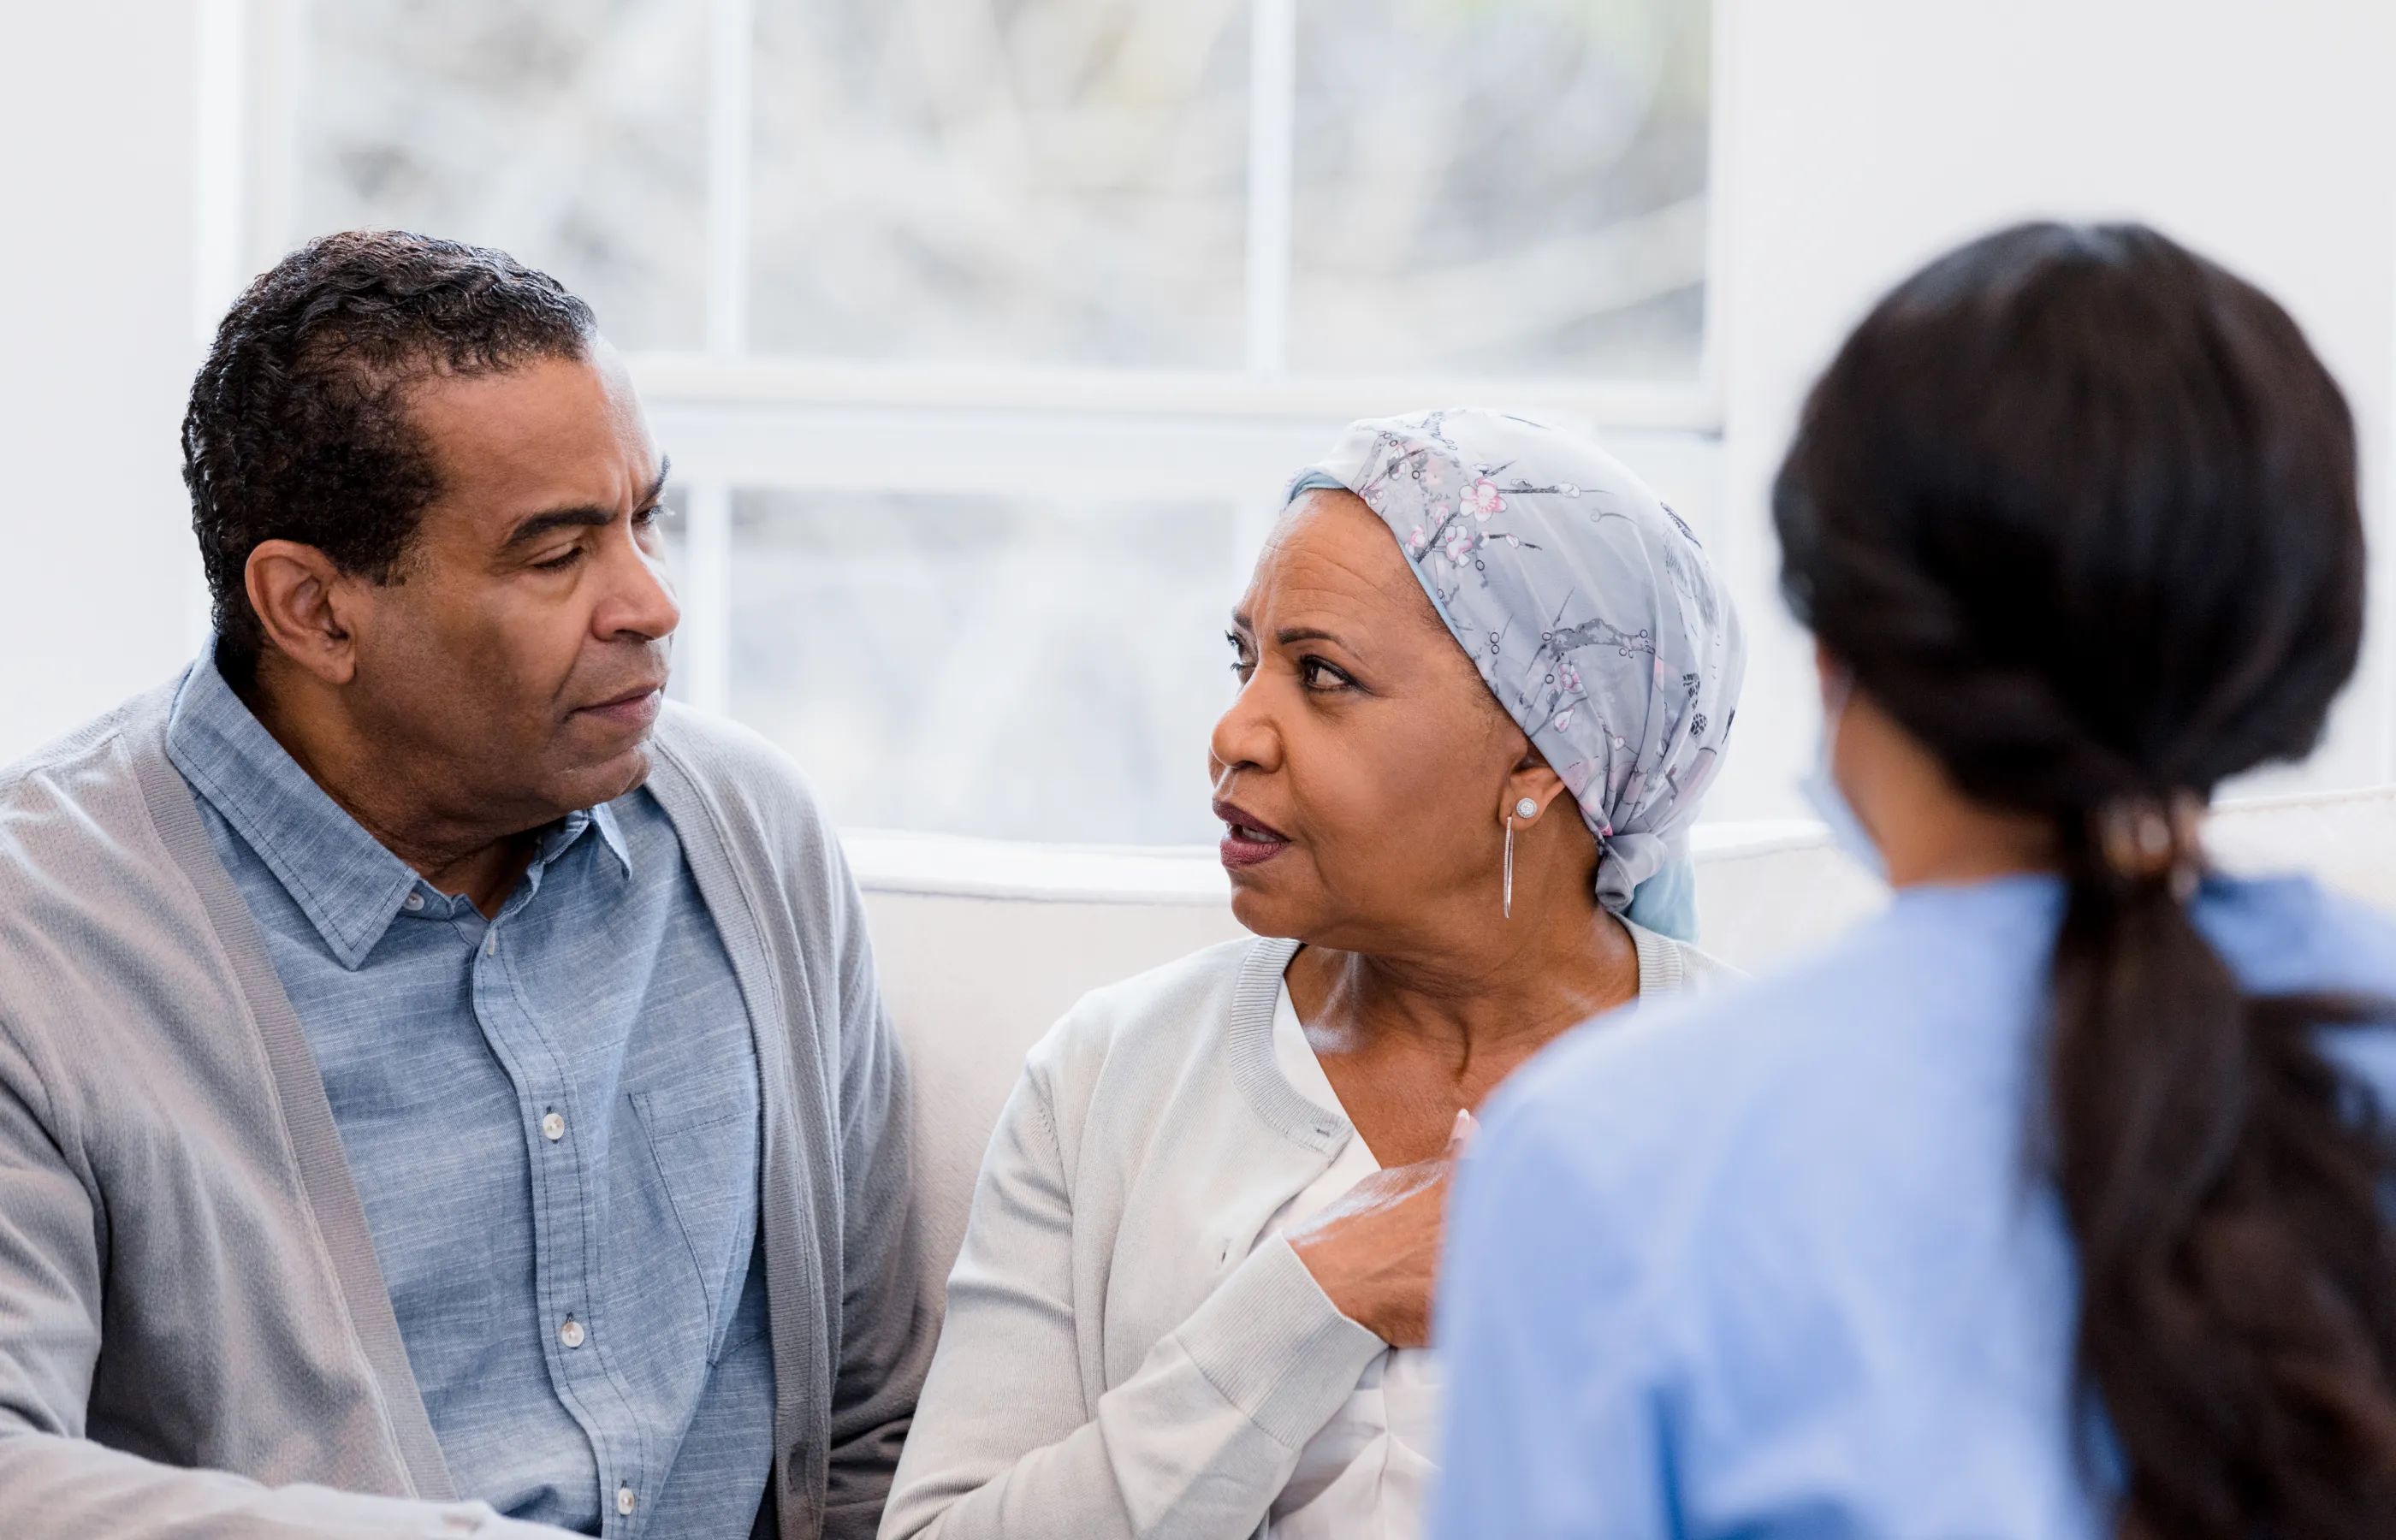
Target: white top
point(1125, 1359)
point(1365, 1475)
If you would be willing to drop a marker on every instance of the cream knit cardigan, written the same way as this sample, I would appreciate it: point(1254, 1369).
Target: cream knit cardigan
point(1121, 1358)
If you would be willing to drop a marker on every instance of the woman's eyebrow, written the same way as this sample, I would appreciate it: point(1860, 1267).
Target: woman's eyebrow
point(1306, 634)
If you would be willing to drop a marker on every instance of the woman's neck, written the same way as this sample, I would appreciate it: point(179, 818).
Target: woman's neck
point(1928, 831)
point(1409, 1035)
point(1479, 1003)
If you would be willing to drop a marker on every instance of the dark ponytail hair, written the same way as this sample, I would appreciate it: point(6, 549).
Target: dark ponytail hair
point(2077, 508)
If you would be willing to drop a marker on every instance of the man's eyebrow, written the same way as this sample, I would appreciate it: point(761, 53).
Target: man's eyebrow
point(540, 524)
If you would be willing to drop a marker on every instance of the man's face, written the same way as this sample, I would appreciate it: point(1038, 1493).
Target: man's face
point(522, 652)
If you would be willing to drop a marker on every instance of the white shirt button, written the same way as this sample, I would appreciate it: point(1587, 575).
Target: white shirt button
point(571, 1333)
point(491, 945)
point(413, 901)
point(553, 1127)
point(625, 1501)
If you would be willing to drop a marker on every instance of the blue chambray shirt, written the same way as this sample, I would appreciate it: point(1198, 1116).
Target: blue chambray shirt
point(553, 1122)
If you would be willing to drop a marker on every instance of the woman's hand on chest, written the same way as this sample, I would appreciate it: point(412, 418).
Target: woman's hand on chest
point(1376, 1252)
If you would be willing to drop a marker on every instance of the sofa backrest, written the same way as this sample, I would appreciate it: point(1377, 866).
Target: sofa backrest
point(983, 945)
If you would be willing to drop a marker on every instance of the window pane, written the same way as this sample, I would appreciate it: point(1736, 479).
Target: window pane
point(1050, 180)
point(571, 133)
point(1501, 185)
point(1022, 669)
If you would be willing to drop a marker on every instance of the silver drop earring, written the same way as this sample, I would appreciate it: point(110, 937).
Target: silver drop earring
point(1524, 808)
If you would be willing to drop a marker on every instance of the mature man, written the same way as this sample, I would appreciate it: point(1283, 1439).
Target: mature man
point(434, 1073)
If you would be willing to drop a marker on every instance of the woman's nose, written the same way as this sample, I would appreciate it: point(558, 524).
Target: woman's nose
point(1244, 736)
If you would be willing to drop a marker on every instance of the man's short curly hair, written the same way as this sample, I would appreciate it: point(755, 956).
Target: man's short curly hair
point(297, 427)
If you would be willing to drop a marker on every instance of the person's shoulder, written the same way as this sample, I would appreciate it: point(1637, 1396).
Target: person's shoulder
point(1711, 1009)
point(1171, 988)
point(1161, 1012)
point(1735, 1149)
point(1129, 1056)
point(1702, 1050)
point(2290, 935)
point(83, 789)
point(1669, 966)
point(734, 765)
point(90, 894)
point(1701, 970)
point(1817, 1049)
point(753, 796)
point(71, 757)
point(2285, 935)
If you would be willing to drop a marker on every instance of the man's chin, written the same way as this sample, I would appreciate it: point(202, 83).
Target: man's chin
point(608, 777)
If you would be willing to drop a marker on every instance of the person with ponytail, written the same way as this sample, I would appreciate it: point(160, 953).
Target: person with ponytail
point(2055, 1201)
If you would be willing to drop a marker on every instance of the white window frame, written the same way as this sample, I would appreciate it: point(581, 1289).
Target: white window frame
point(733, 419)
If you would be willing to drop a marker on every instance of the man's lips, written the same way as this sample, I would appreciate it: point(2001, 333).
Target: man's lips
point(633, 709)
point(1247, 840)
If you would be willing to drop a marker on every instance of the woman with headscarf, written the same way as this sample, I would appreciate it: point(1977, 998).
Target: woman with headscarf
point(1485, 677)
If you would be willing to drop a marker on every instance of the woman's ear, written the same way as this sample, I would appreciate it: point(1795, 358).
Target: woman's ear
point(1530, 780)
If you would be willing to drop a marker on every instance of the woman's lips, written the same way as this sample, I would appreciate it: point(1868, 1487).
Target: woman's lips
point(1245, 841)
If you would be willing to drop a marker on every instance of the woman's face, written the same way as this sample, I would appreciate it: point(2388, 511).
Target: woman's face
point(1361, 770)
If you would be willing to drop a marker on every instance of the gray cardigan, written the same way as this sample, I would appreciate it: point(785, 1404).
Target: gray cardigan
point(196, 1341)
point(1121, 1358)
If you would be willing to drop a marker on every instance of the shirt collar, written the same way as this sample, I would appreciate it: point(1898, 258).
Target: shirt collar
point(348, 883)
point(561, 837)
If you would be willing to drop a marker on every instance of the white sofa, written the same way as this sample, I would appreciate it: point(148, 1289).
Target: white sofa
point(983, 944)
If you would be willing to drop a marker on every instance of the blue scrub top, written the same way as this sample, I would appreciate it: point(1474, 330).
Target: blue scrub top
point(1781, 1261)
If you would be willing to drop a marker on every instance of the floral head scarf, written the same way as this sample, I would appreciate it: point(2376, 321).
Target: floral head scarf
point(1589, 610)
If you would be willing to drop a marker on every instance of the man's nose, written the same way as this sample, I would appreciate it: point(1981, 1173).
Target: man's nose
point(640, 597)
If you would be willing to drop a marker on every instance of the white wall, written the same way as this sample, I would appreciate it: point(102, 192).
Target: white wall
point(1862, 137)
point(98, 576)
point(1858, 137)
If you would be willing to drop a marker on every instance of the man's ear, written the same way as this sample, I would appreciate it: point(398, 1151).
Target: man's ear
point(305, 604)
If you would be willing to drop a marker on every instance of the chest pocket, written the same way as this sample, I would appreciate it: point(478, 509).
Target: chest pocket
point(702, 1149)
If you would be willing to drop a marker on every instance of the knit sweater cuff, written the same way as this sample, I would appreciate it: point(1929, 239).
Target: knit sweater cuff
point(1273, 1344)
